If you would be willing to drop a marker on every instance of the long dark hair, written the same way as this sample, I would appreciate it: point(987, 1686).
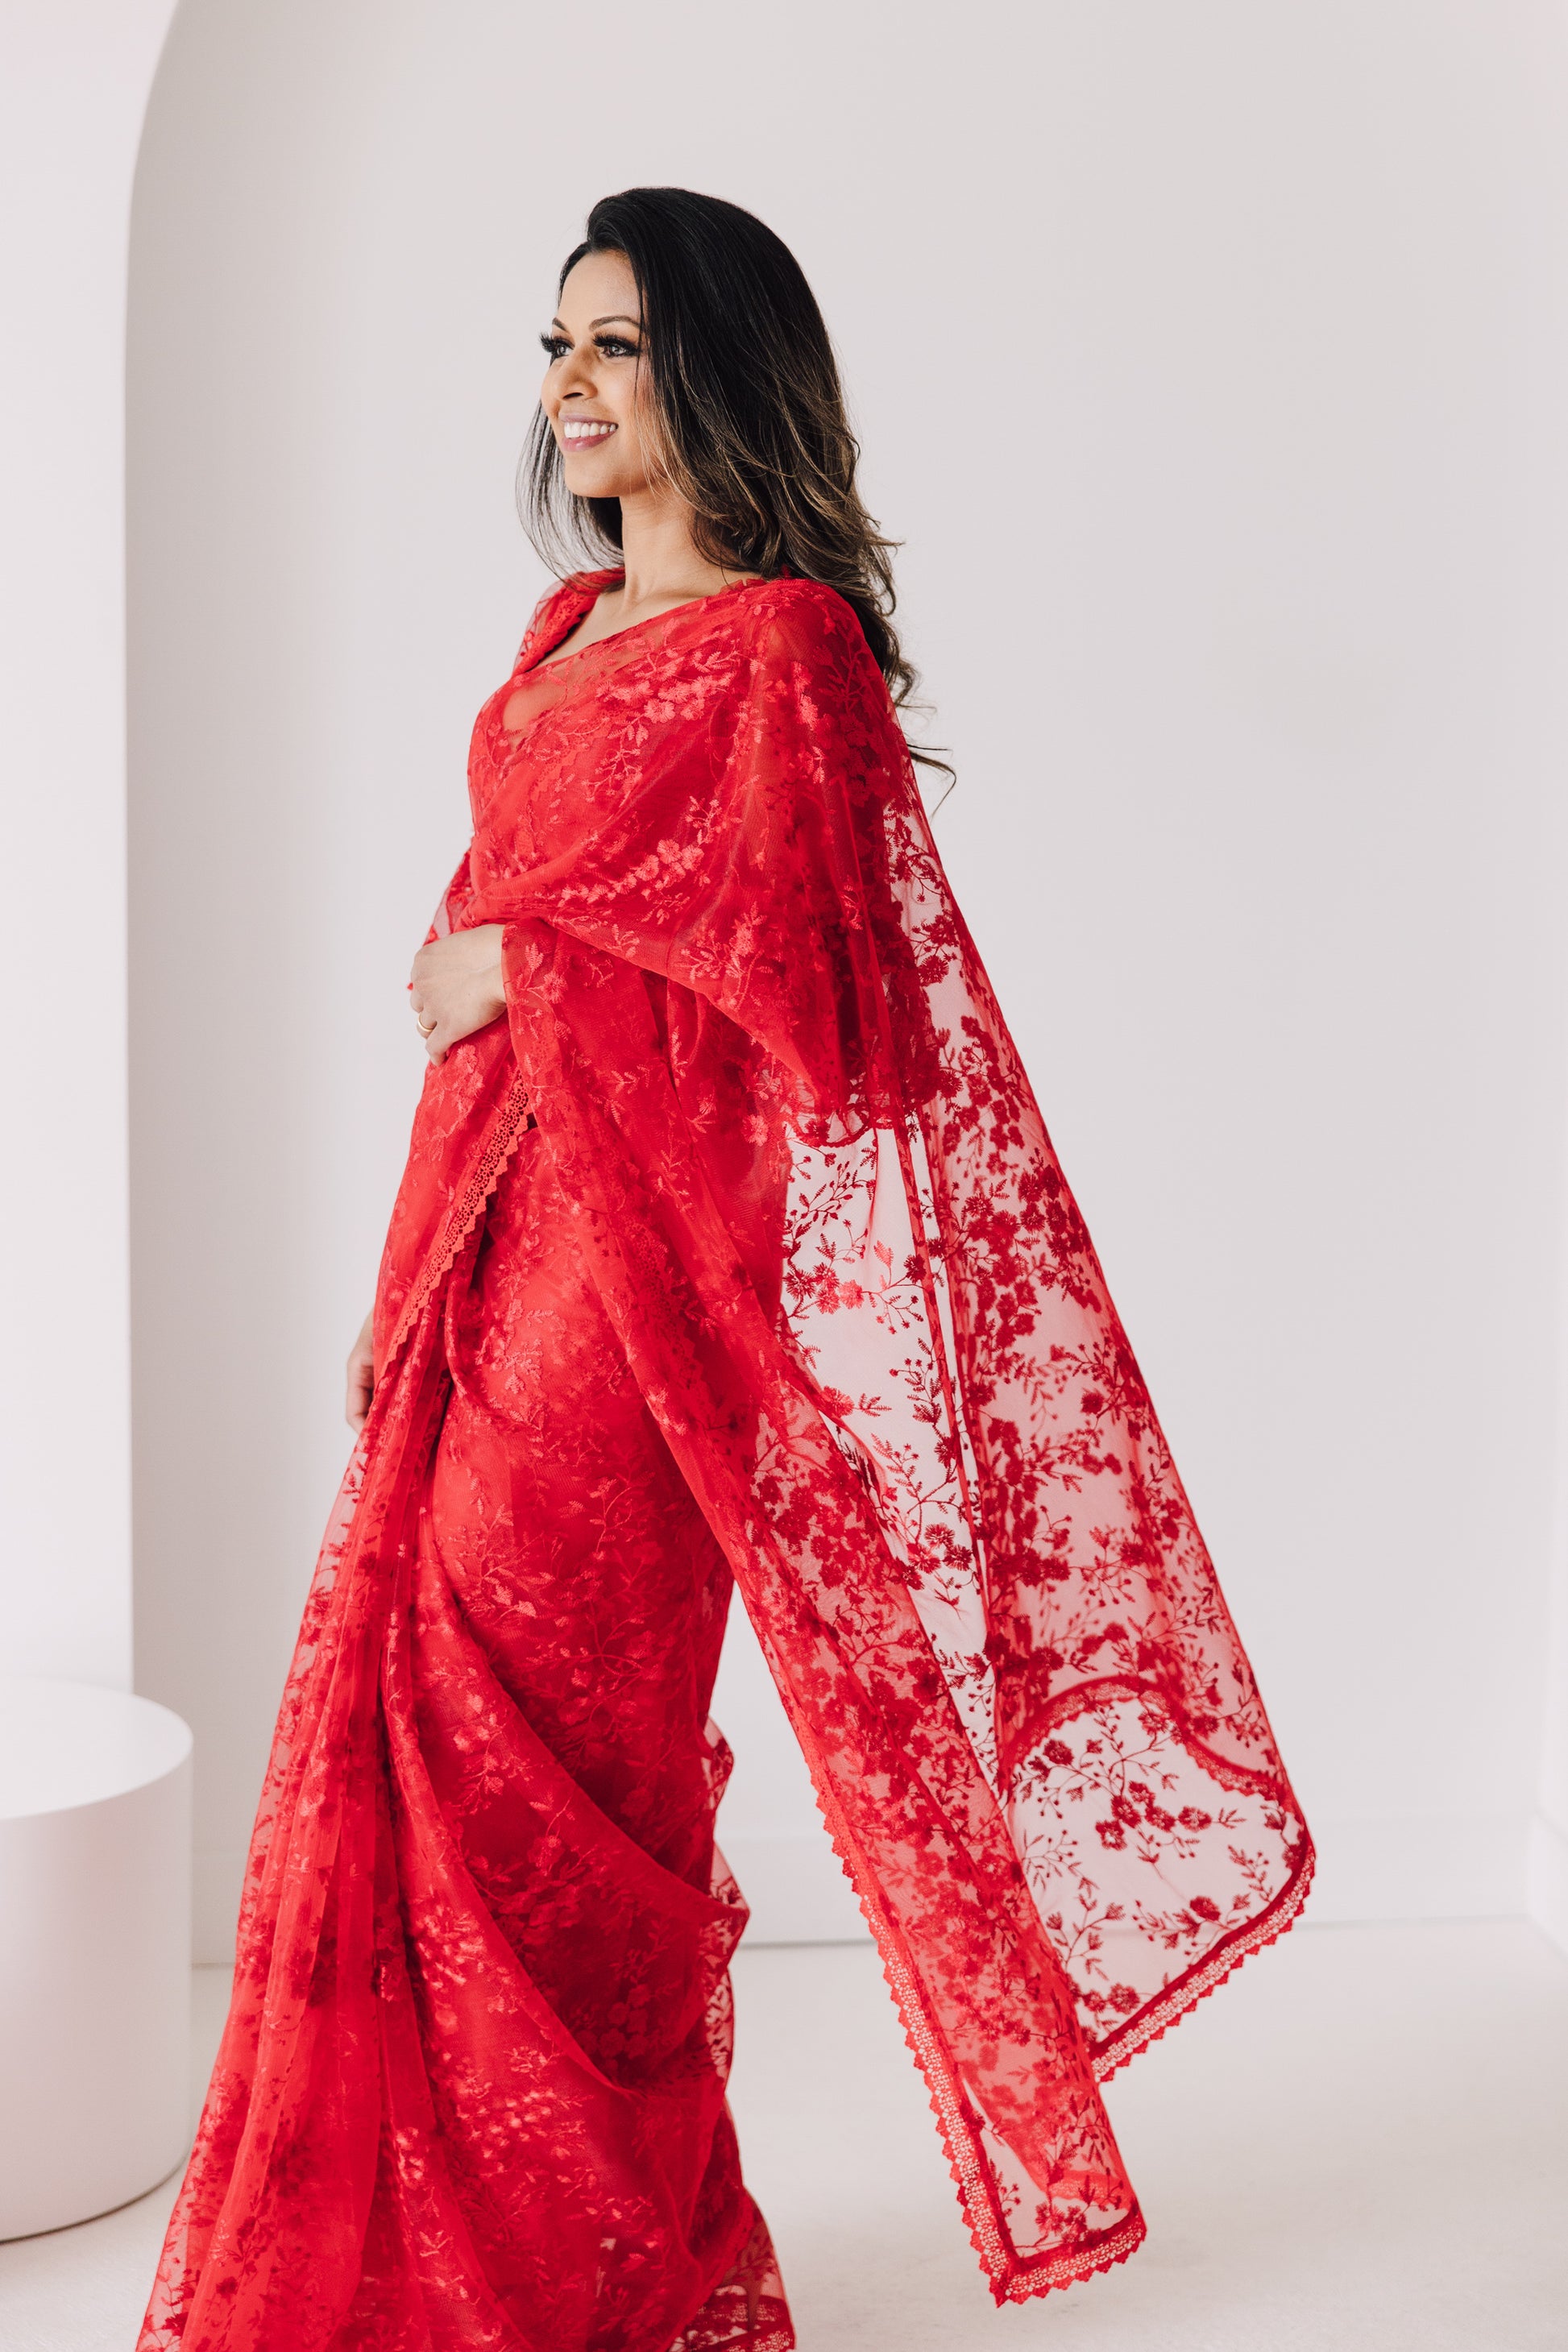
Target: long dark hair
point(750, 413)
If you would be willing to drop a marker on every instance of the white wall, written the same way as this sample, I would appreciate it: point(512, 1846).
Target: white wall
point(74, 78)
point(1211, 362)
point(1547, 1874)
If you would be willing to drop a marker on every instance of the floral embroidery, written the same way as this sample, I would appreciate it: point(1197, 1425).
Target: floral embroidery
point(784, 1283)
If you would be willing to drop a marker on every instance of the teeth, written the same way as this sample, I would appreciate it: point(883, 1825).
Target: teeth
point(585, 432)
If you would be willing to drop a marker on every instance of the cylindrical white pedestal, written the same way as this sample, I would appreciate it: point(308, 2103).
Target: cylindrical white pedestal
point(95, 1950)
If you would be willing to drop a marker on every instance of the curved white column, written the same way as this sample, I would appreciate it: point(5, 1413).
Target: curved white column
point(95, 1905)
point(74, 80)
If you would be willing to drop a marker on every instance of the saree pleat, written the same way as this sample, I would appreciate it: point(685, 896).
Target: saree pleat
point(485, 2106)
point(739, 1251)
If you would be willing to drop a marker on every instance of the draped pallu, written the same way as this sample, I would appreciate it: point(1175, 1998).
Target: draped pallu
point(739, 1248)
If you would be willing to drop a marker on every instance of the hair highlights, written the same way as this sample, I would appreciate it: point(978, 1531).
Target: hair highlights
point(748, 409)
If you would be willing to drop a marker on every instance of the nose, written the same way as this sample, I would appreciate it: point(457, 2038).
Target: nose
point(574, 381)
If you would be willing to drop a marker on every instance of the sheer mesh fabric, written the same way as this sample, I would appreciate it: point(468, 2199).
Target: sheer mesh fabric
point(737, 1249)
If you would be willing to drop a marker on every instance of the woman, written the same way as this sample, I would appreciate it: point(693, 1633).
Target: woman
point(730, 1244)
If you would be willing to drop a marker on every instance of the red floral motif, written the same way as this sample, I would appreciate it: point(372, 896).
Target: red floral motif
point(740, 1247)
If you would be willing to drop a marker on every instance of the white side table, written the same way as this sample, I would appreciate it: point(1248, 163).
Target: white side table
point(95, 1950)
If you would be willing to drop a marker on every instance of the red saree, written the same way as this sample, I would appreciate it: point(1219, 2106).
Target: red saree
point(739, 1248)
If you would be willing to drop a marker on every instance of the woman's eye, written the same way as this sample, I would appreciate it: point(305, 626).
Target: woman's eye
point(615, 347)
point(555, 346)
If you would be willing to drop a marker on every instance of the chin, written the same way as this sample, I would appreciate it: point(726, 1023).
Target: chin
point(585, 479)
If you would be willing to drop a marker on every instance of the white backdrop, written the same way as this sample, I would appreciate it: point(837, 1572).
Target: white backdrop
point(1210, 362)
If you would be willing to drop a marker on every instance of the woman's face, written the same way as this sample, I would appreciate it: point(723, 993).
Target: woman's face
point(595, 393)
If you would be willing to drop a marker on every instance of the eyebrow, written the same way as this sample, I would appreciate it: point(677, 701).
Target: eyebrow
point(615, 318)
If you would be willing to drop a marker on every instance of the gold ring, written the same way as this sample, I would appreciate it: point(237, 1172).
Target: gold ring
point(424, 1032)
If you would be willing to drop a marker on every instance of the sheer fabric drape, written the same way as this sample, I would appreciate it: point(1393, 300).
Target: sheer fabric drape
point(800, 1178)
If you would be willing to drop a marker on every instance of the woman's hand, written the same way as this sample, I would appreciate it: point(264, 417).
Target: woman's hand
point(458, 987)
point(361, 1375)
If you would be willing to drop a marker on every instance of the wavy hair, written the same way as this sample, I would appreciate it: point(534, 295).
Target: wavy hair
point(750, 415)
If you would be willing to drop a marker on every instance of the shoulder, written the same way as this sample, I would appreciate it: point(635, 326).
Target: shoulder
point(806, 674)
point(807, 610)
point(804, 626)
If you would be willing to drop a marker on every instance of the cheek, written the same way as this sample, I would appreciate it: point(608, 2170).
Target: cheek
point(643, 421)
point(629, 450)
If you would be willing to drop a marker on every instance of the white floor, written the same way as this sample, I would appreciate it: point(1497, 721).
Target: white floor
point(1361, 2145)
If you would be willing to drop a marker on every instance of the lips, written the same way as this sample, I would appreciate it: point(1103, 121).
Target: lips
point(585, 431)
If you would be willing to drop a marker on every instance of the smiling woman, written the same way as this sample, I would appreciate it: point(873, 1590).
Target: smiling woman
point(600, 428)
point(731, 1248)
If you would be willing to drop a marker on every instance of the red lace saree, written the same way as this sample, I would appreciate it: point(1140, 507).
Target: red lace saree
point(737, 1249)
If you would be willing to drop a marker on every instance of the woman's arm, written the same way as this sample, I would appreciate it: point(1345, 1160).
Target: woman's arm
point(361, 1376)
point(457, 987)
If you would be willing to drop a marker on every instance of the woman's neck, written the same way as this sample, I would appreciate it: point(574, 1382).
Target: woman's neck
point(662, 563)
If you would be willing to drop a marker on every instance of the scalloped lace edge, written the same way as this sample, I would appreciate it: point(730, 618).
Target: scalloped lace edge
point(496, 1148)
point(1012, 2277)
point(1169, 2009)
